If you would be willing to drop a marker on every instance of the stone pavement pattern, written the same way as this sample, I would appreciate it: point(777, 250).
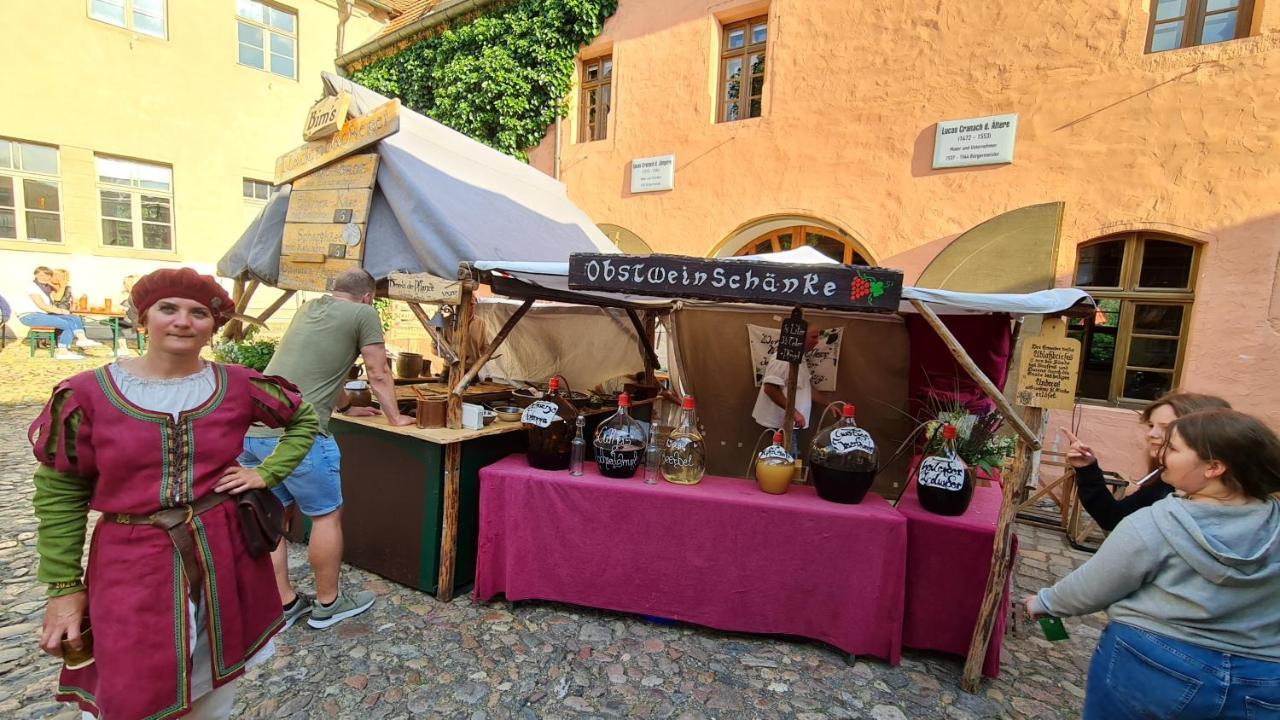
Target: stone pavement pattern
point(413, 657)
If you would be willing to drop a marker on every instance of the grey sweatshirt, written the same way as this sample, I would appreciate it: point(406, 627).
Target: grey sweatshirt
point(1207, 574)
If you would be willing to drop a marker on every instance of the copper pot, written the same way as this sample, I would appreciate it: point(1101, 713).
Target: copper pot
point(409, 365)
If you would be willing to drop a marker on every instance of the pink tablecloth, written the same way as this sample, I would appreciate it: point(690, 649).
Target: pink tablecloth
point(720, 554)
point(948, 559)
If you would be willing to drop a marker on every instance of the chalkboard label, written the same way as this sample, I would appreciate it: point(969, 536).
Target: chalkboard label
point(775, 452)
point(942, 473)
point(847, 440)
point(838, 287)
point(541, 413)
point(791, 340)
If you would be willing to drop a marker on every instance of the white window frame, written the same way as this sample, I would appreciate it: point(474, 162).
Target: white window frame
point(135, 191)
point(271, 190)
point(127, 6)
point(267, 31)
point(20, 208)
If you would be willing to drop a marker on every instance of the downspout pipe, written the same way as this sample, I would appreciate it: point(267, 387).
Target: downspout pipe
point(442, 13)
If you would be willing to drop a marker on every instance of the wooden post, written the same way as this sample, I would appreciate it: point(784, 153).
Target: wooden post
point(240, 296)
point(443, 349)
point(646, 344)
point(449, 521)
point(651, 332)
point(485, 356)
point(1000, 559)
point(793, 375)
point(465, 311)
point(273, 307)
point(957, 350)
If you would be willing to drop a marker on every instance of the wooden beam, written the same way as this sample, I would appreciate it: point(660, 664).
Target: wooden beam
point(646, 344)
point(443, 349)
point(970, 367)
point(234, 329)
point(273, 307)
point(449, 521)
point(1001, 560)
point(651, 332)
point(460, 335)
point(243, 303)
point(485, 356)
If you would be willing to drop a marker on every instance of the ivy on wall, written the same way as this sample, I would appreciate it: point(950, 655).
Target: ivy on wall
point(502, 78)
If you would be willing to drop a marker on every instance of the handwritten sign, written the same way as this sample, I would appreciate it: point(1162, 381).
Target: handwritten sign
point(791, 340)
point(308, 238)
point(357, 133)
point(304, 272)
point(839, 287)
point(847, 440)
point(328, 206)
point(624, 459)
point(823, 360)
point(1048, 369)
point(975, 141)
point(350, 173)
point(423, 287)
point(541, 413)
point(776, 452)
point(942, 473)
point(653, 174)
point(327, 116)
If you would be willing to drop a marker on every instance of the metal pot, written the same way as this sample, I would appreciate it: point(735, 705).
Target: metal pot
point(409, 365)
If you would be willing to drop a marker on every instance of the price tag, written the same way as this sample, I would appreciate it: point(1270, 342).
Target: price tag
point(775, 452)
point(791, 340)
point(847, 440)
point(541, 413)
point(942, 473)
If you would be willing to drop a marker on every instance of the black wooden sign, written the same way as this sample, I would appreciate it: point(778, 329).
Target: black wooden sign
point(833, 287)
point(791, 340)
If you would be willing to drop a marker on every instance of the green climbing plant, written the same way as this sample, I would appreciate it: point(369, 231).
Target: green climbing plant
point(501, 78)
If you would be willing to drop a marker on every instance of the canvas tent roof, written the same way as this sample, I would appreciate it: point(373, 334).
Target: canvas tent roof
point(441, 199)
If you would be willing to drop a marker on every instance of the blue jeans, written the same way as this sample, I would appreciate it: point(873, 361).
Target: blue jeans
point(67, 325)
point(1136, 673)
point(315, 484)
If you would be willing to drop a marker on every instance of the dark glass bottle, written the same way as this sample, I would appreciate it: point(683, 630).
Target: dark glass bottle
point(943, 482)
point(550, 423)
point(843, 460)
point(620, 442)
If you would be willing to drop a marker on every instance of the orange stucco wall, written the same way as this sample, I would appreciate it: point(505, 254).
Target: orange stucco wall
point(1185, 142)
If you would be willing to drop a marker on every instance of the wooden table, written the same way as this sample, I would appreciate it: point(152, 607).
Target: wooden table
point(111, 319)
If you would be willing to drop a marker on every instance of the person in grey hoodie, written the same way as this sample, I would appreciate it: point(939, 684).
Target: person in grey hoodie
point(1191, 584)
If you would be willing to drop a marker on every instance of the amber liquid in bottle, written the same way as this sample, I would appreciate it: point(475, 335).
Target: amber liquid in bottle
point(684, 457)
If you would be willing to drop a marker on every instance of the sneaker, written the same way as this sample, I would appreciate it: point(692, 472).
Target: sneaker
point(67, 355)
point(85, 342)
point(343, 607)
point(301, 606)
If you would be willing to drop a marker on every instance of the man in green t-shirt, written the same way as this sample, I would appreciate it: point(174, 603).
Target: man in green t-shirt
point(315, 354)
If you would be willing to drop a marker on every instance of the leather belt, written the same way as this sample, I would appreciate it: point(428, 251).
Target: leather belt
point(177, 521)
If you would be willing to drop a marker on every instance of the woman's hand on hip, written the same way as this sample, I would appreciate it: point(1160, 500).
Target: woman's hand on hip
point(236, 480)
point(62, 618)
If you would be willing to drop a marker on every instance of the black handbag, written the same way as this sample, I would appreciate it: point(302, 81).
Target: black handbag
point(261, 520)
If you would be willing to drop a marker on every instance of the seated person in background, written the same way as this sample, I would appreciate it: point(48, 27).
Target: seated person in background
point(60, 289)
point(771, 402)
point(1096, 497)
point(36, 309)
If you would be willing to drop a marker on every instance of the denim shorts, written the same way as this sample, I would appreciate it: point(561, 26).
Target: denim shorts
point(315, 484)
point(1136, 673)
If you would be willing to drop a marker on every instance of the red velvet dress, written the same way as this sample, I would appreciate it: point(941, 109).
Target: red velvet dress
point(140, 461)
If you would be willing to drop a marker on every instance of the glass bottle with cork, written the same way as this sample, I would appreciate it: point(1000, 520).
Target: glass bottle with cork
point(944, 482)
point(684, 459)
point(619, 442)
point(550, 422)
point(843, 460)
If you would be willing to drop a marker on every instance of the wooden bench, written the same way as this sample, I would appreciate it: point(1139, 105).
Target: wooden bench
point(40, 333)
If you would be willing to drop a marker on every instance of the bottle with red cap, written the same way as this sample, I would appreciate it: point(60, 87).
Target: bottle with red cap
point(774, 467)
point(943, 481)
point(550, 422)
point(684, 459)
point(843, 460)
point(620, 442)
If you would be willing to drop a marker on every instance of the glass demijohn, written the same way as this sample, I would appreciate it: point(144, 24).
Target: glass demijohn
point(620, 442)
point(843, 460)
point(684, 458)
point(943, 481)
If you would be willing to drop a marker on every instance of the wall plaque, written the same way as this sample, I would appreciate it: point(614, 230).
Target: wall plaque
point(975, 141)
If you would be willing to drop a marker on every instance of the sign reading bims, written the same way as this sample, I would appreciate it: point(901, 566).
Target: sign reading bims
point(652, 174)
point(975, 141)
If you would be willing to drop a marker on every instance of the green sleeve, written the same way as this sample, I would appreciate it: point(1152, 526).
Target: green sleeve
point(296, 441)
point(62, 508)
point(369, 326)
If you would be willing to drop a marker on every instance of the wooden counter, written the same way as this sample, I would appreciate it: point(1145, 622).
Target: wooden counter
point(439, 436)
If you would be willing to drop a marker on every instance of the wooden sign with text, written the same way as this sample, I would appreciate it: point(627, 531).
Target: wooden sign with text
point(329, 206)
point(357, 133)
point(423, 287)
point(350, 173)
point(791, 340)
point(832, 287)
point(327, 116)
point(1048, 369)
point(324, 239)
point(301, 272)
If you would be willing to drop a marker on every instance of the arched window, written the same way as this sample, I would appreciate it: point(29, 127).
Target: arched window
point(1133, 347)
point(820, 239)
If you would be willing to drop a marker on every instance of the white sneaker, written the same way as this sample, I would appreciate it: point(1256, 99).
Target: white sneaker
point(85, 342)
point(67, 355)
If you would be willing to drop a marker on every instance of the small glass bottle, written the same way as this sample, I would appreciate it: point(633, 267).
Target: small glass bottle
point(652, 455)
point(619, 442)
point(943, 481)
point(843, 460)
point(578, 448)
point(684, 458)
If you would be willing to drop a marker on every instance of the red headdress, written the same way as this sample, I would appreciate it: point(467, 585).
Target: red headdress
point(183, 283)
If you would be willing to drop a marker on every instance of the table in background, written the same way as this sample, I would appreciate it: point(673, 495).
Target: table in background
point(720, 553)
point(112, 320)
point(948, 560)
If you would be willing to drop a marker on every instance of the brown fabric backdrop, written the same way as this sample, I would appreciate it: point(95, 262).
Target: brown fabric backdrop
point(716, 362)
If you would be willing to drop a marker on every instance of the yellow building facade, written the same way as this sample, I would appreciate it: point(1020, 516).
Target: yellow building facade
point(137, 134)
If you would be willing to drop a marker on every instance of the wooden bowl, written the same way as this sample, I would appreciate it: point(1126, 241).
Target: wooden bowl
point(507, 413)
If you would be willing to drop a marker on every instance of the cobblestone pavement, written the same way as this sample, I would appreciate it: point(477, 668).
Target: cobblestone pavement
point(414, 657)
